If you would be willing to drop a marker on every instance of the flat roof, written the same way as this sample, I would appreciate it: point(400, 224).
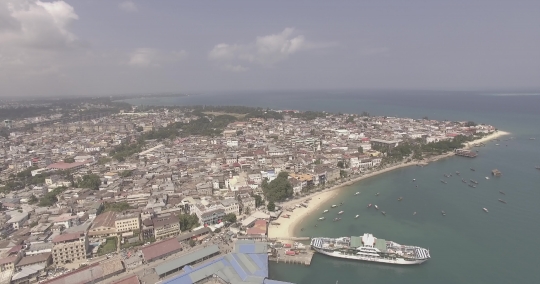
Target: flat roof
point(186, 259)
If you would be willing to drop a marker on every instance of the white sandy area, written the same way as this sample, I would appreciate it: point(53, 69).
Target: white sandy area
point(286, 226)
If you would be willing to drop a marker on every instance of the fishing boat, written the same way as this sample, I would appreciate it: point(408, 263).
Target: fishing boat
point(443, 213)
point(485, 210)
point(443, 181)
point(340, 212)
point(487, 177)
point(357, 193)
point(377, 194)
point(384, 213)
point(472, 185)
point(322, 218)
point(502, 201)
point(473, 169)
point(325, 211)
point(414, 213)
point(473, 181)
point(399, 199)
point(376, 207)
point(463, 181)
point(334, 206)
point(502, 192)
point(369, 205)
point(337, 219)
point(447, 175)
point(356, 217)
point(457, 173)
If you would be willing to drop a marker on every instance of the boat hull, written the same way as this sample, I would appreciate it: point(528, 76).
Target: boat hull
point(338, 254)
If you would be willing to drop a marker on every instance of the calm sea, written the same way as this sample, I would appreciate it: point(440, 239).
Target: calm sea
point(467, 245)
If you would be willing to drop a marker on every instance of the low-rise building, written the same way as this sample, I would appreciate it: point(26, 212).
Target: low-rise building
point(127, 222)
point(69, 248)
point(166, 227)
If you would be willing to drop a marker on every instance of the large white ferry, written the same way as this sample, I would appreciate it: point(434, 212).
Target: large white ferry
point(369, 248)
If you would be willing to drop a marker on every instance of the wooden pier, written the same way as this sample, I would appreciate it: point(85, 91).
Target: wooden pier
point(465, 153)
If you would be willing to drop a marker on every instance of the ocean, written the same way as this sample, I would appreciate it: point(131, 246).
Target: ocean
point(467, 245)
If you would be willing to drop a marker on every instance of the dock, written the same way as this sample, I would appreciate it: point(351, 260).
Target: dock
point(465, 153)
point(302, 257)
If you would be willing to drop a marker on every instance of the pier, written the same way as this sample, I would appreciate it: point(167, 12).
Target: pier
point(465, 153)
point(301, 256)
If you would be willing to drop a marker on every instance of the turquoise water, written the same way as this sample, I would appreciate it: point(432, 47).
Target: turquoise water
point(467, 245)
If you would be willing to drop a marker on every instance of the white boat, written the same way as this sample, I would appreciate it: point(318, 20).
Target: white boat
point(357, 193)
point(325, 211)
point(487, 177)
point(322, 218)
point(355, 217)
point(369, 248)
point(485, 210)
point(340, 212)
point(376, 207)
point(334, 206)
point(414, 213)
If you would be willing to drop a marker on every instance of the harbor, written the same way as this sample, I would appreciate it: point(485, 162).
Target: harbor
point(292, 254)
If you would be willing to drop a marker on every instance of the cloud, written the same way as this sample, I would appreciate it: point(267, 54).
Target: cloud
point(150, 57)
point(265, 50)
point(128, 6)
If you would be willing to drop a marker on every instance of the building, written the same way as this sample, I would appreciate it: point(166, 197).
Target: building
point(166, 227)
point(69, 247)
point(231, 206)
point(248, 204)
point(388, 144)
point(44, 259)
point(18, 219)
point(127, 222)
point(8, 263)
point(94, 273)
point(103, 226)
point(161, 249)
point(248, 263)
point(212, 216)
point(259, 229)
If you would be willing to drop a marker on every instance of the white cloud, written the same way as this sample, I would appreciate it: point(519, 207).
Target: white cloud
point(150, 57)
point(128, 6)
point(265, 50)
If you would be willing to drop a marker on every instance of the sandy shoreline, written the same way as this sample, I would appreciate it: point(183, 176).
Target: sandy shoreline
point(286, 226)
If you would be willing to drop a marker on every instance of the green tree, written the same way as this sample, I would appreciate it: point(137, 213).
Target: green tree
point(258, 200)
point(188, 221)
point(116, 206)
point(278, 189)
point(32, 200)
point(340, 164)
point(91, 181)
point(69, 160)
point(271, 206)
point(231, 218)
point(192, 243)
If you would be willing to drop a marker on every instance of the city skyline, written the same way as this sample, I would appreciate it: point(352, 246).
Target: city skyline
point(80, 48)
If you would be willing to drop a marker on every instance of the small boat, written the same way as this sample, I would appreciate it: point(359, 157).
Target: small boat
point(537, 167)
point(357, 193)
point(334, 206)
point(356, 217)
point(502, 192)
point(337, 219)
point(532, 138)
point(473, 169)
point(399, 199)
point(414, 213)
point(384, 213)
point(502, 201)
point(377, 194)
point(497, 144)
point(473, 181)
point(463, 181)
point(340, 212)
point(322, 218)
point(376, 207)
point(457, 173)
point(325, 211)
point(443, 213)
point(443, 181)
point(472, 185)
point(413, 179)
point(369, 205)
point(487, 177)
point(485, 210)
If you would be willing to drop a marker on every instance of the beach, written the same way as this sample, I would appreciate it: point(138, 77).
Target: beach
point(287, 226)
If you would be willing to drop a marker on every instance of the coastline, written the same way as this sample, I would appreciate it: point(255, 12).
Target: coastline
point(287, 226)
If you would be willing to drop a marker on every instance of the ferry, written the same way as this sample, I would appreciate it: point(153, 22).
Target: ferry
point(325, 211)
point(369, 248)
point(502, 201)
point(340, 212)
point(485, 210)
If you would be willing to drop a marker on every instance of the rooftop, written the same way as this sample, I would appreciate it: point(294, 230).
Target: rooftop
point(104, 220)
point(67, 237)
point(158, 249)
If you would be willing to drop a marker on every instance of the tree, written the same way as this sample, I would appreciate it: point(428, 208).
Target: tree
point(188, 221)
point(278, 189)
point(271, 206)
point(69, 160)
point(32, 200)
point(340, 164)
point(231, 218)
point(192, 243)
point(258, 200)
point(342, 174)
point(91, 181)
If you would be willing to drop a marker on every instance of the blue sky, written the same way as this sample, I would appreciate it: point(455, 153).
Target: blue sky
point(94, 47)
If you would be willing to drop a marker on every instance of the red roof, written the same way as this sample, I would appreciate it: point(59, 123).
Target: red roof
point(64, 166)
point(15, 249)
point(67, 237)
point(258, 229)
point(133, 279)
point(158, 249)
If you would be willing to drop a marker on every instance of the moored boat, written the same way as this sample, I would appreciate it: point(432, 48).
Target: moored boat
point(443, 213)
point(325, 211)
point(414, 213)
point(334, 206)
point(502, 192)
point(376, 207)
point(485, 210)
point(340, 212)
point(399, 199)
point(384, 213)
point(502, 201)
point(369, 248)
point(443, 181)
point(356, 217)
point(369, 205)
point(472, 169)
point(357, 193)
point(322, 218)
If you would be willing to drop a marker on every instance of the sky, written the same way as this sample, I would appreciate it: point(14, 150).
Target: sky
point(108, 47)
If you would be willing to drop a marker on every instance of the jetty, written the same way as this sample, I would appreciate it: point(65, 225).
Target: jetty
point(292, 255)
point(465, 153)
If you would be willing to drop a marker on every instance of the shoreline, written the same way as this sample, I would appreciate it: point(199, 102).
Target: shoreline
point(287, 226)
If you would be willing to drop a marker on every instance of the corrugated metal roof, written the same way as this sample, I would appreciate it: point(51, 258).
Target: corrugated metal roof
point(186, 259)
